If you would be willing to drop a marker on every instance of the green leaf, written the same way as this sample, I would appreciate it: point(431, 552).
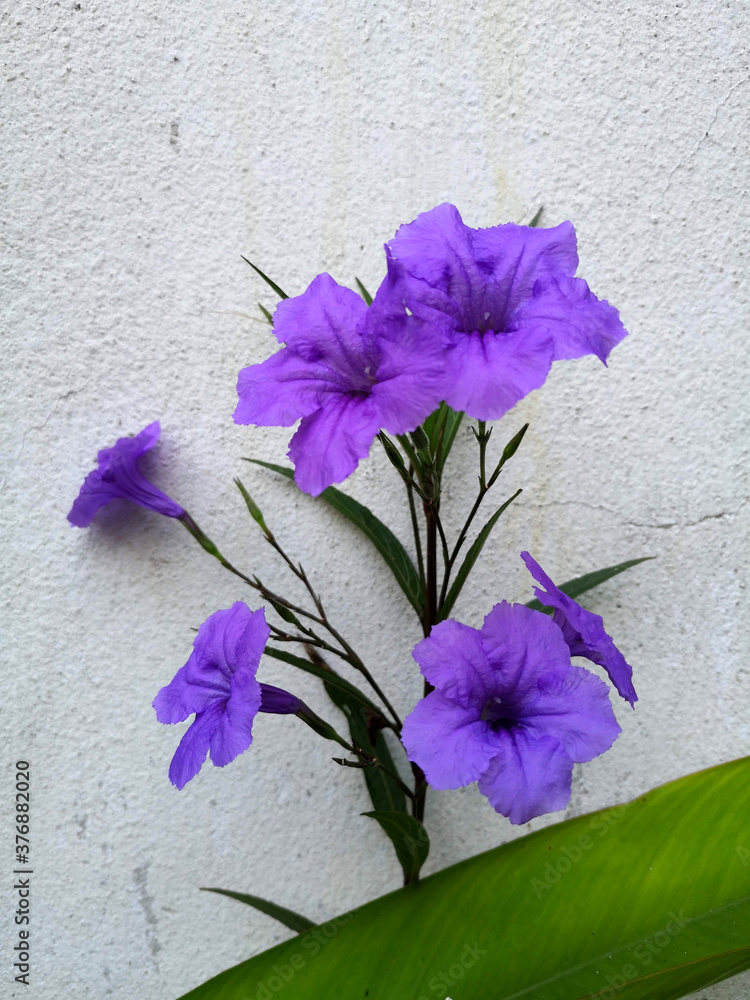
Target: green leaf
point(379, 534)
point(363, 292)
point(328, 675)
point(281, 294)
point(367, 734)
point(409, 839)
point(294, 921)
point(573, 588)
point(646, 901)
point(535, 221)
point(470, 558)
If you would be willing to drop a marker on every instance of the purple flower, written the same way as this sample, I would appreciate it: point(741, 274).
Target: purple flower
point(509, 710)
point(511, 299)
point(118, 476)
point(347, 371)
point(583, 631)
point(218, 684)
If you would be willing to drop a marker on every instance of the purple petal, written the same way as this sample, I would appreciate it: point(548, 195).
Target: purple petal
point(583, 631)
point(521, 645)
point(491, 372)
point(529, 776)
point(453, 659)
point(234, 733)
point(322, 324)
point(477, 276)
point(228, 639)
point(282, 389)
point(412, 377)
point(330, 442)
point(180, 698)
point(191, 753)
point(572, 705)
point(577, 321)
point(450, 743)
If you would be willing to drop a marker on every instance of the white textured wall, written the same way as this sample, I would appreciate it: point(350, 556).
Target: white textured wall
point(146, 146)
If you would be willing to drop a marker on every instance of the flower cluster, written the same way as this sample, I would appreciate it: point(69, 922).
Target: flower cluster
point(509, 710)
point(474, 317)
point(469, 318)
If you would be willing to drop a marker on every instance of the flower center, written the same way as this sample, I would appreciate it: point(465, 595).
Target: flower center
point(499, 714)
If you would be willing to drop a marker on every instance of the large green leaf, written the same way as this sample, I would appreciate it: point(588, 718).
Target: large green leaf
point(647, 901)
point(470, 558)
point(379, 534)
point(294, 921)
point(574, 588)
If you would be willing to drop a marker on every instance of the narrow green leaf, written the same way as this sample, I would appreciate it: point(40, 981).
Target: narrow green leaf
point(281, 294)
point(255, 511)
point(508, 452)
point(644, 901)
point(409, 839)
point(367, 734)
point(535, 221)
point(294, 921)
point(381, 536)
point(470, 558)
point(328, 675)
point(579, 585)
point(363, 292)
point(266, 313)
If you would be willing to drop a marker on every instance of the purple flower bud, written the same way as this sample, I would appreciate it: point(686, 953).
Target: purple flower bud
point(583, 631)
point(118, 476)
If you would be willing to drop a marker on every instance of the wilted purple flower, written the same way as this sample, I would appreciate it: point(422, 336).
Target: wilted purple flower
point(512, 301)
point(348, 371)
point(509, 710)
point(583, 631)
point(118, 476)
point(218, 684)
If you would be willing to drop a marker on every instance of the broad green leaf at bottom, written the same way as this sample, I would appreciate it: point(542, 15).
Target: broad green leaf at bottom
point(646, 901)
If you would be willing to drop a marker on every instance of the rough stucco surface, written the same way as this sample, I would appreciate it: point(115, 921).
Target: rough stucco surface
point(146, 146)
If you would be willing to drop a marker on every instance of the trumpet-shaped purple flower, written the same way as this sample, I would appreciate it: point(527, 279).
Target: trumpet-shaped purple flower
point(219, 686)
point(509, 710)
point(118, 476)
point(347, 371)
point(511, 300)
point(583, 631)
